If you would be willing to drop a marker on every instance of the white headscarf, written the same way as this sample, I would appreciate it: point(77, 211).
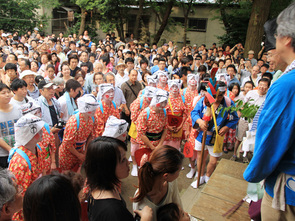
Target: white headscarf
point(160, 73)
point(103, 88)
point(176, 82)
point(149, 91)
point(152, 79)
point(115, 127)
point(160, 96)
point(87, 103)
point(30, 107)
point(192, 76)
point(26, 128)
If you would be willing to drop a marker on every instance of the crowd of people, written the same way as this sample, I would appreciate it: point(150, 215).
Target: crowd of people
point(68, 103)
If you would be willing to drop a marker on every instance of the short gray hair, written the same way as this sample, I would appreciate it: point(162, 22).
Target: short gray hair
point(58, 81)
point(286, 23)
point(7, 188)
point(108, 74)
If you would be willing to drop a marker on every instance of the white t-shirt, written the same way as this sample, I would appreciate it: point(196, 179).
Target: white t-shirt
point(257, 99)
point(7, 121)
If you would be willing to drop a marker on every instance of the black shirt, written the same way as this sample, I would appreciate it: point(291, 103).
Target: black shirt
point(53, 115)
point(108, 209)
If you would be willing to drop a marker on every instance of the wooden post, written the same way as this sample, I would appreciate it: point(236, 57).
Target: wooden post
point(202, 155)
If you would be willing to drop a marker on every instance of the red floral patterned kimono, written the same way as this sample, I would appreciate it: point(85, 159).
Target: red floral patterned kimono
point(156, 123)
point(166, 88)
point(48, 142)
point(176, 112)
point(74, 138)
point(24, 176)
point(101, 118)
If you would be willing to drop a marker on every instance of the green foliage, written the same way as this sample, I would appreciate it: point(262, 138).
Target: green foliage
point(235, 16)
point(90, 27)
point(247, 110)
point(18, 15)
point(21, 15)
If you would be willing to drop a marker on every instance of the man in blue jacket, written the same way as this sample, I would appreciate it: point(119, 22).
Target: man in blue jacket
point(224, 122)
point(274, 154)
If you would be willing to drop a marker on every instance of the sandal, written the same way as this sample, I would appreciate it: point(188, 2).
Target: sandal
point(225, 150)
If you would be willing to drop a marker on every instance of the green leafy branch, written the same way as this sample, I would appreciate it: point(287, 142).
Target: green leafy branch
point(247, 110)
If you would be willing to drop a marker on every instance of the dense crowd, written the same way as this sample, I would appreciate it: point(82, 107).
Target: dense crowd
point(68, 103)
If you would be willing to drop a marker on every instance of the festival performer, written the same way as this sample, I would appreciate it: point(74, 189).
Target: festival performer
point(23, 159)
point(78, 133)
point(177, 114)
point(141, 103)
point(228, 120)
point(116, 128)
point(193, 133)
point(152, 81)
point(152, 122)
point(48, 140)
point(106, 108)
point(163, 78)
point(191, 91)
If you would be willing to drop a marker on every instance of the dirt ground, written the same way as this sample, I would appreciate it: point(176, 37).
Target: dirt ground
point(128, 184)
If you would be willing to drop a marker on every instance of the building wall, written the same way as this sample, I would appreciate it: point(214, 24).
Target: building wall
point(214, 27)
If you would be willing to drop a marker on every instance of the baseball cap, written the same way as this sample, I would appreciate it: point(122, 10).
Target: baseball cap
point(46, 84)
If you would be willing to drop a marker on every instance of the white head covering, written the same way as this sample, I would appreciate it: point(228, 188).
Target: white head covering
point(152, 79)
point(160, 73)
point(160, 96)
point(176, 82)
point(30, 107)
point(26, 73)
point(149, 91)
point(87, 103)
point(192, 76)
point(105, 87)
point(26, 128)
point(115, 127)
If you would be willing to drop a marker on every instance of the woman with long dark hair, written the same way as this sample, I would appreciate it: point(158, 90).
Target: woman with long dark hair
point(157, 185)
point(105, 165)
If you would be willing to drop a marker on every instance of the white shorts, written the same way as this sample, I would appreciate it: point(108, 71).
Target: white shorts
point(198, 147)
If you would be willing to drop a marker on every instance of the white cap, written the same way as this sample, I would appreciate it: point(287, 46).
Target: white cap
point(176, 82)
point(26, 73)
point(87, 103)
point(26, 128)
point(160, 96)
point(115, 127)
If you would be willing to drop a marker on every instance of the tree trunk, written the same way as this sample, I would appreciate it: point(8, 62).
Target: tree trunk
point(186, 10)
point(83, 21)
point(164, 21)
point(137, 21)
point(259, 15)
point(185, 30)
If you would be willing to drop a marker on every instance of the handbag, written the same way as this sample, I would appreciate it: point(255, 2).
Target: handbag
point(218, 144)
point(132, 131)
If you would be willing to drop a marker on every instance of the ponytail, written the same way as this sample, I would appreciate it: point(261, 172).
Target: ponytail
point(165, 159)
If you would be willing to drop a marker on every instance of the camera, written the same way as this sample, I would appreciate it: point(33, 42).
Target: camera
point(60, 124)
